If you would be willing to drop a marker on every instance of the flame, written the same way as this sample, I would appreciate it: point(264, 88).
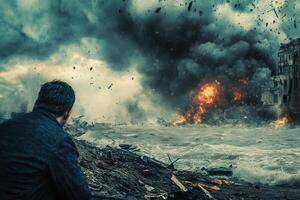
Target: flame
point(204, 98)
point(180, 119)
point(207, 94)
point(237, 94)
point(282, 120)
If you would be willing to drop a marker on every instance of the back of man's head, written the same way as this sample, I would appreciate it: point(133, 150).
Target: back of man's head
point(57, 97)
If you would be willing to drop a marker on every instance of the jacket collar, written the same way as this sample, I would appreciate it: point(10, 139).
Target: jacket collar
point(47, 114)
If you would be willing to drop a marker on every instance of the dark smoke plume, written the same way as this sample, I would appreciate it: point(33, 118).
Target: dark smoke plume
point(175, 47)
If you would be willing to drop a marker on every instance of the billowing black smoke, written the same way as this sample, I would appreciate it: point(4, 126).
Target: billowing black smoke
point(175, 48)
point(183, 49)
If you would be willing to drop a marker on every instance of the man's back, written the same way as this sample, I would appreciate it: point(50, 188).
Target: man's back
point(38, 160)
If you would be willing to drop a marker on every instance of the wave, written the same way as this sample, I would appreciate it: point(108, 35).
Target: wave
point(269, 177)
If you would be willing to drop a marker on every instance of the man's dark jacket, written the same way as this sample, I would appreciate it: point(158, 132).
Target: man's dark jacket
point(38, 160)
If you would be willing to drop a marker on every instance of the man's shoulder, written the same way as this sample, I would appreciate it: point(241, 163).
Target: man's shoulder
point(37, 127)
point(13, 123)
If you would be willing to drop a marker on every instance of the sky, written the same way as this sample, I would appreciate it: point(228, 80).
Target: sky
point(136, 60)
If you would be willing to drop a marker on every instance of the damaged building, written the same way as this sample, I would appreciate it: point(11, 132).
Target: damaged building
point(285, 93)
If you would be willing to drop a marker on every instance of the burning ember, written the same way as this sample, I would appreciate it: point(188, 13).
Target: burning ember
point(205, 97)
point(282, 120)
point(237, 95)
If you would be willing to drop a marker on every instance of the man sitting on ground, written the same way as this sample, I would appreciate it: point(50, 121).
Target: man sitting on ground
point(38, 159)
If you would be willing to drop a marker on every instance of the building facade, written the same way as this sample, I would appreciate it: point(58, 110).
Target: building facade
point(285, 92)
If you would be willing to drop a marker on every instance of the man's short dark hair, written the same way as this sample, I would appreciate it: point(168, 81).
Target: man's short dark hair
point(57, 97)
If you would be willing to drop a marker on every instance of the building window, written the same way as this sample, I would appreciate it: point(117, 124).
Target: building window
point(284, 98)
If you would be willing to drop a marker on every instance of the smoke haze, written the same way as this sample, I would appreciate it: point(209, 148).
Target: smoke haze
point(133, 60)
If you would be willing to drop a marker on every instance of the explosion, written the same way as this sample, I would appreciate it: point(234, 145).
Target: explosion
point(282, 120)
point(205, 97)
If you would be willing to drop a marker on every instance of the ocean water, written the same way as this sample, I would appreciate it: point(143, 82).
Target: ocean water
point(269, 155)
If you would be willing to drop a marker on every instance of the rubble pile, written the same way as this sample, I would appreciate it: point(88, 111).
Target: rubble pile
point(116, 173)
point(77, 127)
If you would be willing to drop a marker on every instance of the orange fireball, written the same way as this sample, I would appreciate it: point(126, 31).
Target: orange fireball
point(204, 98)
point(207, 95)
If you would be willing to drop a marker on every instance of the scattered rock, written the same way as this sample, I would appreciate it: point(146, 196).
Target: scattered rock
point(115, 173)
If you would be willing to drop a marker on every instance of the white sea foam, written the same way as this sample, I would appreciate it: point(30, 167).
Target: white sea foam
point(270, 177)
point(258, 154)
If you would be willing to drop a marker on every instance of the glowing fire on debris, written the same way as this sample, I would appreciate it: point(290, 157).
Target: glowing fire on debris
point(180, 119)
point(205, 97)
point(237, 95)
point(282, 120)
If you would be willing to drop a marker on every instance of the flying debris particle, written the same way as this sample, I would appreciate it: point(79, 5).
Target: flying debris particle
point(190, 6)
point(110, 86)
point(295, 24)
point(158, 10)
point(275, 12)
point(267, 24)
point(74, 67)
point(200, 13)
point(91, 68)
point(132, 78)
